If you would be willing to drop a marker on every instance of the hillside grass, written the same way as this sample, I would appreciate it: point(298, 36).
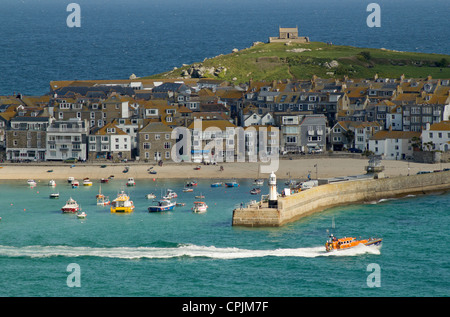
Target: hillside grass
point(277, 61)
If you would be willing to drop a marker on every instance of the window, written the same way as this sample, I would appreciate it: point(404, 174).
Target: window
point(167, 136)
point(146, 145)
point(291, 139)
point(157, 136)
point(146, 136)
point(167, 155)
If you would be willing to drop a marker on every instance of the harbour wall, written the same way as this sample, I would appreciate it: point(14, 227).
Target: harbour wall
point(316, 199)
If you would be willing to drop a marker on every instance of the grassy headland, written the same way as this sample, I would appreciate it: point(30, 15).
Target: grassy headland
point(275, 61)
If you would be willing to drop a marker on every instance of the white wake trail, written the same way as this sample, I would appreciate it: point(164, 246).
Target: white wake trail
point(180, 251)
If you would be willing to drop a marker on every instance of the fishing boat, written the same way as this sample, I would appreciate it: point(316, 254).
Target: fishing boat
point(87, 182)
point(334, 244)
point(255, 191)
point(187, 190)
point(70, 179)
point(170, 194)
point(191, 184)
point(131, 182)
point(218, 184)
point(52, 183)
point(232, 184)
point(75, 184)
point(122, 203)
point(150, 196)
point(54, 196)
point(102, 200)
point(162, 205)
point(70, 206)
point(81, 215)
point(258, 182)
point(31, 182)
point(199, 207)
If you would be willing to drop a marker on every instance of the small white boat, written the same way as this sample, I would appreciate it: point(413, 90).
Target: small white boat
point(102, 200)
point(54, 195)
point(199, 207)
point(31, 182)
point(131, 182)
point(75, 184)
point(187, 190)
point(170, 194)
point(258, 182)
point(70, 179)
point(218, 184)
point(150, 196)
point(52, 183)
point(81, 215)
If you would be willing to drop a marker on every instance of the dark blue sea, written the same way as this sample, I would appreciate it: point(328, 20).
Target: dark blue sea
point(118, 38)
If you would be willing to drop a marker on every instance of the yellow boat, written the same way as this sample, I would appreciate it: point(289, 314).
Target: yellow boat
point(122, 204)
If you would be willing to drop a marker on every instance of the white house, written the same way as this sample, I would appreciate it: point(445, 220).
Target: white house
point(67, 139)
point(363, 132)
point(393, 145)
point(438, 134)
point(109, 142)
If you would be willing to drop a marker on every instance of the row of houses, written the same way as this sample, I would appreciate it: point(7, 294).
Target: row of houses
point(136, 118)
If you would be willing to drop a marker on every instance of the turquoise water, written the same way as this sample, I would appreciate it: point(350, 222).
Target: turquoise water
point(180, 253)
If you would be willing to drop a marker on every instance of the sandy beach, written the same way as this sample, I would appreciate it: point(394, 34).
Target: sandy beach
point(295, 169)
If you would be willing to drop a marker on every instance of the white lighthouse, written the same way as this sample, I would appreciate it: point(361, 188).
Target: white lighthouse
point(273, 196)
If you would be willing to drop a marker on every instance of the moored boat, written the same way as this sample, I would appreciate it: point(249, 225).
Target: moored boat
point(70, 179)
point(191, 184)
point(122, 203)
point(81, 215)
point(104, 180)
point(31, 182)
point(150, 196)
point(186, 190)
point(75, 184)
point(162, 205)
point(218, 184)
point(54, 196)
point(199, 207)
point(70, 206)
point(334, 244)
point(131, 182)
point(258, 182)
point(255, 191)
point(102, 200)
point(87, 182)
point(170, 194)
point(232, 184)
point(52, 183)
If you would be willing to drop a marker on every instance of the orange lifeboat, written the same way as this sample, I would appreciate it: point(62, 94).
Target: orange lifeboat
point(334, 244)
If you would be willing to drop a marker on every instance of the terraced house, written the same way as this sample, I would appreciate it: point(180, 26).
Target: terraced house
point(26, 138)
point(109, 143)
